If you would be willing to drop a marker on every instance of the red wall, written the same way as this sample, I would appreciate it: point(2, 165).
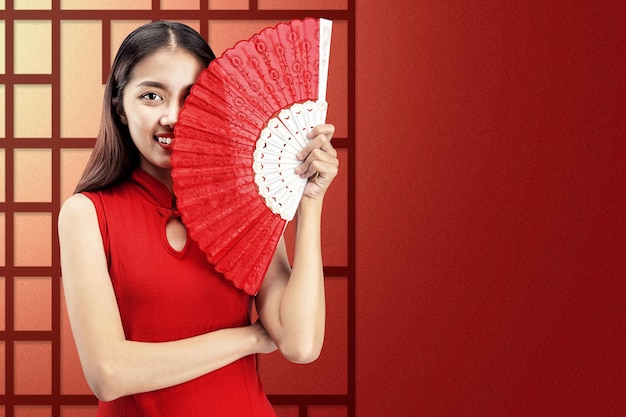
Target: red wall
point(491, 201)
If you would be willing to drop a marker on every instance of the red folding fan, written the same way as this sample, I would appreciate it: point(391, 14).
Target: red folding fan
point(233, 157)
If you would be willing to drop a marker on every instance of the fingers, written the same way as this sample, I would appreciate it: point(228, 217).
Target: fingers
point(323, 129)
point(265, 342)
point(319, 156)
point(318, 161)
point(320, 137)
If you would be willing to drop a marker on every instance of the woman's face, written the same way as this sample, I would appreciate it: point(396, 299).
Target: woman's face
point(152, 100)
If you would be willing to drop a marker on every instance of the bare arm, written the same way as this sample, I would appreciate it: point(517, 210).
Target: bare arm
point(114, 366)
point(291, 301)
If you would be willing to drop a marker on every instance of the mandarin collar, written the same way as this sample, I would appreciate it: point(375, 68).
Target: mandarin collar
point(153, 189)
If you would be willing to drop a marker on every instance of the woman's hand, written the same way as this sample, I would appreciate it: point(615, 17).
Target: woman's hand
point(264, 341)
point(319, 161)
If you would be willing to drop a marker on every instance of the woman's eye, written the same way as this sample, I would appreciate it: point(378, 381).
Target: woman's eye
point(151, 96)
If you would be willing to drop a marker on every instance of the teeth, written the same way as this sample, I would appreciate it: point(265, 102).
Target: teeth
point(164, 140)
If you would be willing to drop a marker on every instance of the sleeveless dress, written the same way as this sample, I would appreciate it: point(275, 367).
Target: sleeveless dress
point(164, 295)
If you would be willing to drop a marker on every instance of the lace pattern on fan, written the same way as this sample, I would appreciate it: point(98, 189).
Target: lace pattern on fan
point(275, 156)
point(229, 198)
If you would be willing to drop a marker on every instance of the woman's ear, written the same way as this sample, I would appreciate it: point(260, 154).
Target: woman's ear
point(119, 109)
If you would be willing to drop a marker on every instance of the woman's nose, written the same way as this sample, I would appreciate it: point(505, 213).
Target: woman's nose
point(171, 115)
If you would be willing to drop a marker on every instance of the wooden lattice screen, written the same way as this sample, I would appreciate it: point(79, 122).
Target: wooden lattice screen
point(54, 58)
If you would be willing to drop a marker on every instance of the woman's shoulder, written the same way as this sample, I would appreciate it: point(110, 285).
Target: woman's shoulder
point(76, 206)
point(86, 202)
point(78, 201)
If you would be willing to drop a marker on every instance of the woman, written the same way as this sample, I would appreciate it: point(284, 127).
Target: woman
point(158, 331)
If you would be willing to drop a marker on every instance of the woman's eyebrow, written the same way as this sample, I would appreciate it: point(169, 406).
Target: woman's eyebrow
point(154, 84)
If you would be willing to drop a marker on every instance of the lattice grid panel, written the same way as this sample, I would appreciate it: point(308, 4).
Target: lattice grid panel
point(54, 58)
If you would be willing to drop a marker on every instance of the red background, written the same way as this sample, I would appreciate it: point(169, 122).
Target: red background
point(491, 197)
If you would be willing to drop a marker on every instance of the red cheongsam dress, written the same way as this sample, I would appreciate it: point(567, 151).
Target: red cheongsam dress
point(164, 295)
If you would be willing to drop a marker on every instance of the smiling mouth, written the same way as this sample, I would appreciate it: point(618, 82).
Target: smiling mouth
point(165, 140)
